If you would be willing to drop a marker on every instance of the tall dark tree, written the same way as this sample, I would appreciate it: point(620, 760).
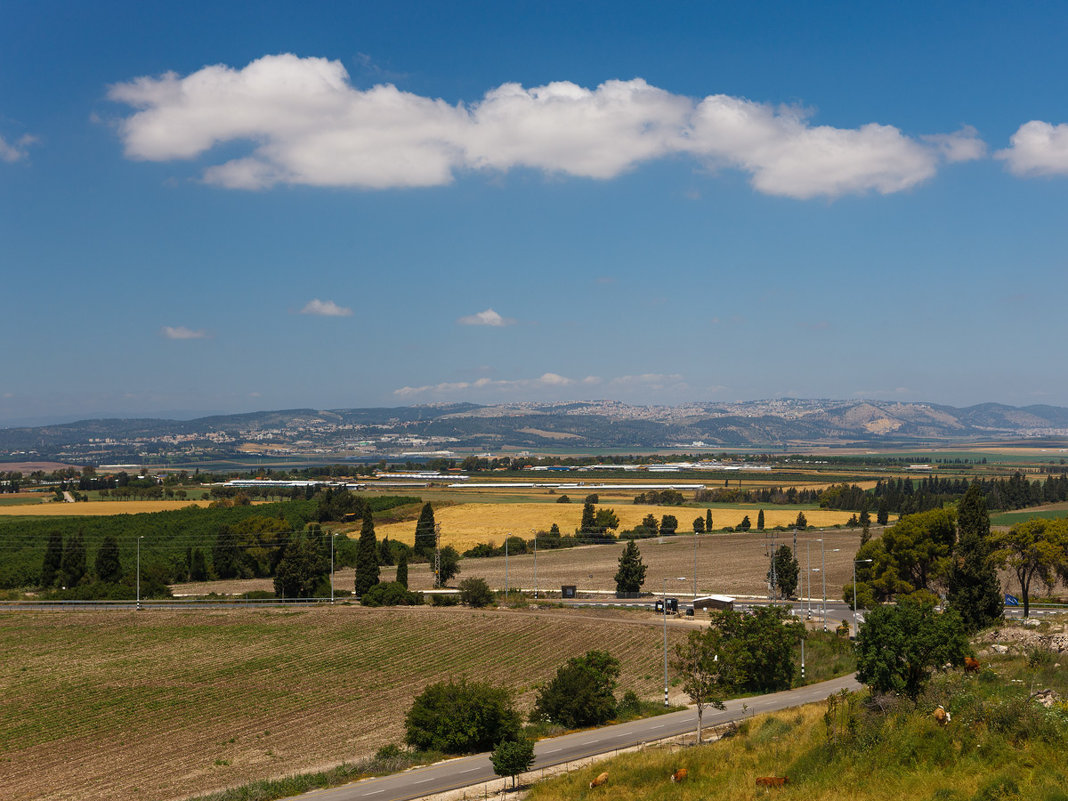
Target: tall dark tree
point(745, 525)
point(301, 568)
point(225, 554)
point(669, 524)
point(107, 565)
point(708, 520)
point(974, 588)
point(760, 520)
point(52, 559)
point(589, 519)
point(72, 568)
point(786, 571)
point(366, 555)
point(801, 522)
point(198, 566)
point(402, 569)
point(425, 534)
point(631, 573)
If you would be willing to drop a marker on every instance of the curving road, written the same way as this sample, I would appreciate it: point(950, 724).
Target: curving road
point(456, 773)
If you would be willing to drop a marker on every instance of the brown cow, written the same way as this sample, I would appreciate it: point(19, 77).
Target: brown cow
point(771, 781)
point(971, 664)
point(599, 780)
point(941, 716)
point(679, 775)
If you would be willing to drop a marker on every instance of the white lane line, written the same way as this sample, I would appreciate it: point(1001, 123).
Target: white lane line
point(553, 750)
point(469, 770)
point(373, 792)
point(422, 781)
point(656, 727)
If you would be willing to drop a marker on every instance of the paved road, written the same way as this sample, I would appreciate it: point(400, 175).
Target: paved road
point(456, 773)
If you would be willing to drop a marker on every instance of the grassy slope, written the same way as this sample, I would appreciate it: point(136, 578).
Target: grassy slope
point(999, 745)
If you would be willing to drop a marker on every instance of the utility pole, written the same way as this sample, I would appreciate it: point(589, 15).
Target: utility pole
point(332, 567)
point(823, 573)
point(535, 564)
point(141, 537)
point(695, 565)
point(509, 534)
point(665, 644)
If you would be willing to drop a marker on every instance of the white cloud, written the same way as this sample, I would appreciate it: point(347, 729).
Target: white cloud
point(487, 317)
point(1037, 148)
point(15, 151)
point(325, 308)
point(306, 124)
point(181, 332)
point(546, 381)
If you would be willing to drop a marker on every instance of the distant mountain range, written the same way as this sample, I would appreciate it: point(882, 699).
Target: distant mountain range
point(588, 425)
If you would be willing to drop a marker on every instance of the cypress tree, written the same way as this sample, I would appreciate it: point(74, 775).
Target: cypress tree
point(974, 588)
point(52, 559)
point(708, 520)
point(631, 573)
point(72, 567)
point(760, 520)
point(402, 570)
point(366, 556)
point(107, 565)
point(589, 519)
point(425, 535)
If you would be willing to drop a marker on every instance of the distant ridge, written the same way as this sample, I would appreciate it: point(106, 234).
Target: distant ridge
point(777, 424)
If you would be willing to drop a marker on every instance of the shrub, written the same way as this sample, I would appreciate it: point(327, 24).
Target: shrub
point(390, 593)
point(475, 592)
point(581, 692)
point(461, 717)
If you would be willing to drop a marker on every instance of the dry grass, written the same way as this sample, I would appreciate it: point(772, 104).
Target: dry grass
point(97, 508)
point(165, 704)
point(468, 524)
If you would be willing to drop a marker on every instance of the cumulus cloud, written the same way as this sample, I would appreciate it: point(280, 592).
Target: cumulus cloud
point(487, 317)
point(306, 124)
point(181, 332)
point(325, 308)
point(15, 151)
point(1037, 148)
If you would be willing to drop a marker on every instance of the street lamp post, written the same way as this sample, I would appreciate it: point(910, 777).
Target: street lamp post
point(695, 564)
point(664, 604)
point(855, 563)
point(535, 563)
point(506, 536)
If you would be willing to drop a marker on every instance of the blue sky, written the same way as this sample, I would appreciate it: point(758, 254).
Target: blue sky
point(212, 207)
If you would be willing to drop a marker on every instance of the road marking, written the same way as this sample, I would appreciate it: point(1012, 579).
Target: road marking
point(469, 770)
point(553, 750)
point(656, 727)
point(422, 781)
point(373, 792)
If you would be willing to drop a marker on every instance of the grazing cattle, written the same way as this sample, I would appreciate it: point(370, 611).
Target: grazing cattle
point(599, 780)
point(941, 716)
point(771, 781)
point(679, 775)
point(971, 664)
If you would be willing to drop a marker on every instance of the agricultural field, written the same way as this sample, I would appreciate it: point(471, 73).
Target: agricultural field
point(96, 508)
point(166, 704)
point(734, 564)
point(466, 525)
point(1052, 511)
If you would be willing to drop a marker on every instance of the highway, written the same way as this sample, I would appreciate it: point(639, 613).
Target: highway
point(465, 771)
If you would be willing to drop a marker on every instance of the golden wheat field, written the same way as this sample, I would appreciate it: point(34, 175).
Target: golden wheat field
point(96, 508)
point(465, 525)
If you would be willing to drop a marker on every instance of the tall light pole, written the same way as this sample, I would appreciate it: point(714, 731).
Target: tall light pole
point(808, 572)
point(695, 564)
point(665, 643)
point(506, 536)
point(823, 573)
point(141, 537)
point(532, 531)
point(855, 562)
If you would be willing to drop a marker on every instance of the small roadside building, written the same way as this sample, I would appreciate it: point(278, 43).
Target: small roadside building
point(713, 602)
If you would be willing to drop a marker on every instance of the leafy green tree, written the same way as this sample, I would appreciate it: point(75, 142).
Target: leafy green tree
point(974, 588)
point(913, 554)
point(461, 717)
point(745, 525)
point(605, 519)
point(301, 569)
point(649, 526)
point(425, 532)
point(801, 523)
point(449, 559)
point(1033, 549)
point(786, 571)
point(631, 574)
point(366, 556)
point(512, 757)
point(756, 650)
point(52, 559)
point(107, 565)
point(475, 592)
point(698, 525)
point(402, 570)
point(669, 524)
point(900, 645)
point(581, 693)
point(708, 520)
point(865, 524)
point(882, 513)
point(72, 568)
point(589, 520)
point(760, 520)
point(697, 664)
